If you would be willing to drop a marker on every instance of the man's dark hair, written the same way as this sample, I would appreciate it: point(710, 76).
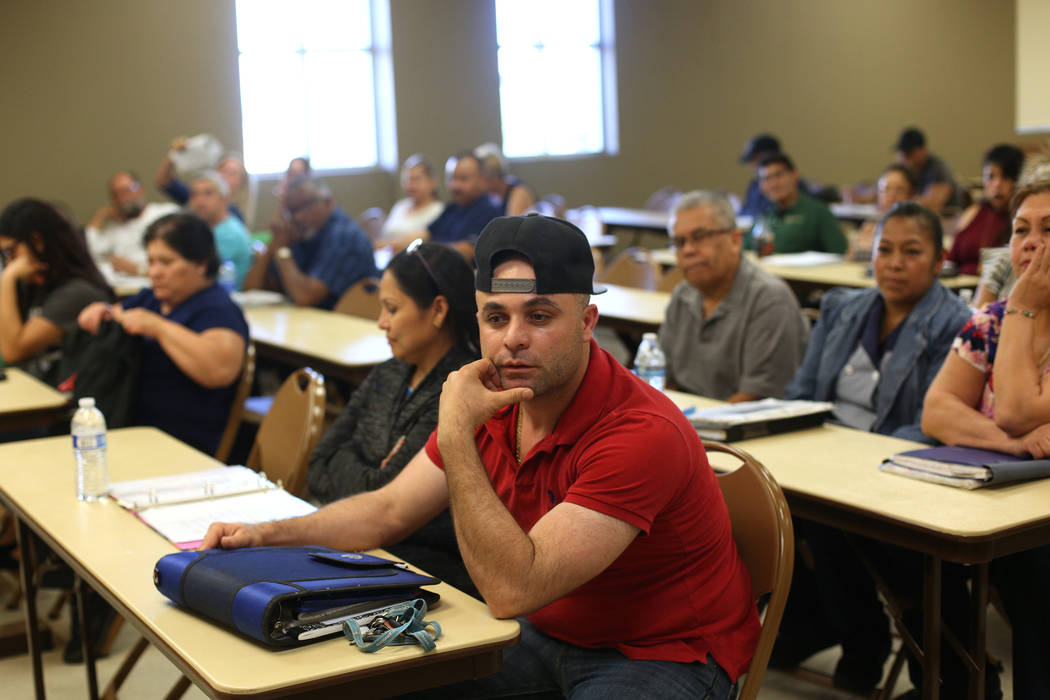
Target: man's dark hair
point(1008, 158)
point(910, 139)
point(189, 236)
point(928, 222)
point(468, 155)
point(774, 158)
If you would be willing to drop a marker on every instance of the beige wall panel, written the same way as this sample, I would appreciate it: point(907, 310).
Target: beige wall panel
point(89, 87)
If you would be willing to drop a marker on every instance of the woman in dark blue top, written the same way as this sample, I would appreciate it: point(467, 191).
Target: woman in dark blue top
point(193, 335)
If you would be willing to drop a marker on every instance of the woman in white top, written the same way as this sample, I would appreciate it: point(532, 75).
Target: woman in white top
point(415, 212)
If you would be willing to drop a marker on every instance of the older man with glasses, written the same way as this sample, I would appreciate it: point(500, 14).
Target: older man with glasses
point(317, 251)
point(732, 331)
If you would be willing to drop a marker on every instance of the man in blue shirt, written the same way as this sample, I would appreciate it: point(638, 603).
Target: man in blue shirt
point(470, 209)
point(317, 251)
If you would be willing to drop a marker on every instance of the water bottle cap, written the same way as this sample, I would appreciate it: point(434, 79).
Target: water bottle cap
point(86, 402)
point(649, 336)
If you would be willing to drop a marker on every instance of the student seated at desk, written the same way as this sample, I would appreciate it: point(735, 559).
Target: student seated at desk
point(797, 222)
point(428, 314)
point(733, 332)
point(419, 207)
point(193, 335)
point(317, 251)
point(873, 353)
point(987, 223)
point(896, 184)
point(626, 578)
point(992, 393)
point(48, 277)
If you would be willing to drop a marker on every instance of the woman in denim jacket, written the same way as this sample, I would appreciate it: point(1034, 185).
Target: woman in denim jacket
point(873, 353)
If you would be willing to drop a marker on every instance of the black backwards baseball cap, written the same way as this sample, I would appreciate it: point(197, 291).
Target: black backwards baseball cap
point(760, 145)
point(558, 251)
point(910, 139)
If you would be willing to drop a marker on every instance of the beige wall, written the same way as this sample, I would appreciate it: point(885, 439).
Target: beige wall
point(90, 87)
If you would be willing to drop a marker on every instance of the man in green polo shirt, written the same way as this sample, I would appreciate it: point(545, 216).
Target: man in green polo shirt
point(798, 222)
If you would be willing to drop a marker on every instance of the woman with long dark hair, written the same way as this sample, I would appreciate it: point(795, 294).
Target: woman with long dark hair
point(429, 316)
point(48, 277)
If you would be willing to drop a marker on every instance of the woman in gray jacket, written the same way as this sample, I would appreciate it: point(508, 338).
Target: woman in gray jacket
point(428, 314)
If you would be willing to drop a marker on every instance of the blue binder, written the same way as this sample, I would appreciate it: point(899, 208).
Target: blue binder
point(263, 592)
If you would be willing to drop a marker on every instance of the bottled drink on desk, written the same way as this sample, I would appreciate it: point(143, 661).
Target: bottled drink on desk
point(649, 363)
point(762, 237)
point(227, 277)
point(89, 446)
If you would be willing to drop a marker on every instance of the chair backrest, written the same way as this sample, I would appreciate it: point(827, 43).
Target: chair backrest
point(765, 539)
point(633, 267)
point(290, 430)
point(371, 222)
point(663, 199)
point(670, 279)
point(362, 299)
point(244, 387)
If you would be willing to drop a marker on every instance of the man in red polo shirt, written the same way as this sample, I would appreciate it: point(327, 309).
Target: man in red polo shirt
point(582, 498)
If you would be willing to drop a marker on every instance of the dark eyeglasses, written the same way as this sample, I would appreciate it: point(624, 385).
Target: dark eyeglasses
point(698, 236)
point(413, 249)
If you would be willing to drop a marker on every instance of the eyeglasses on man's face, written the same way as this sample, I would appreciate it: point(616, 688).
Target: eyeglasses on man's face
point(698, 236)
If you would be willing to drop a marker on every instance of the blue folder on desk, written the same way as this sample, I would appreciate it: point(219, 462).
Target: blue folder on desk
point(272, 593)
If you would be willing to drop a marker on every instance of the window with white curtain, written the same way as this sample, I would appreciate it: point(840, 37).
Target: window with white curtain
point(316, 80)
point(557, 77)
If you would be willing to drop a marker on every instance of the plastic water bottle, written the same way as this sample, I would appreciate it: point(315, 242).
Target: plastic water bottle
point(649, 363)
point(762, 235)
point(228, 276)
point(89, 446)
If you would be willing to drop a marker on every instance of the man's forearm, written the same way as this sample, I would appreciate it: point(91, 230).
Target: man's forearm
point(303, 289)
point(499, 555)
point(351, 524)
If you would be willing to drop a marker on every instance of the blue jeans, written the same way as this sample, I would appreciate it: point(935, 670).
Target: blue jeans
point(543, 667)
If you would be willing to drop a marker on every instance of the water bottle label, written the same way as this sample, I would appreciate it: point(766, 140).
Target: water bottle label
point(89, 442)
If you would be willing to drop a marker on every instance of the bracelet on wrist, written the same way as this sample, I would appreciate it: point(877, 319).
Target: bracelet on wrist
point(1024, 312)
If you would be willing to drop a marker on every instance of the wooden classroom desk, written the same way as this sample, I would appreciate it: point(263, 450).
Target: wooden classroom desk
point(115, 553)
point(838, 274)
point(337, 345)
point(27, 402)
point(630, 310)
point(830, 474)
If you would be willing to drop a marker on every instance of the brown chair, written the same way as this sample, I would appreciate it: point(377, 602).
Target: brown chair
point(670, 279)
point(290, 430)
point(765, 540)
point(362, 299)
point(371, 222)
point(633, 267)
point(244, 387)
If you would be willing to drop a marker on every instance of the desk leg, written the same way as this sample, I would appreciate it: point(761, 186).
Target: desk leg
point(931, 621)
point(27, 563)
point(978, 651)
point(86, 637)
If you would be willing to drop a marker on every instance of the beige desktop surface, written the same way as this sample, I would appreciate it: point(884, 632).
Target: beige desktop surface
point(336, 338)
point(22, 392)
point(841, 465)
point(114, 549)
point(630, 304)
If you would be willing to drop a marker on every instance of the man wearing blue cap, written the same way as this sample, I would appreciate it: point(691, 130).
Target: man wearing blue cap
point(547, 452)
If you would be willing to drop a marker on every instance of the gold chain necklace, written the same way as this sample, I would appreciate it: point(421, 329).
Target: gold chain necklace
point(517, 440)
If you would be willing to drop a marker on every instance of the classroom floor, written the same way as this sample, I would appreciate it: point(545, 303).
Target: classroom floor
point(154, 675)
